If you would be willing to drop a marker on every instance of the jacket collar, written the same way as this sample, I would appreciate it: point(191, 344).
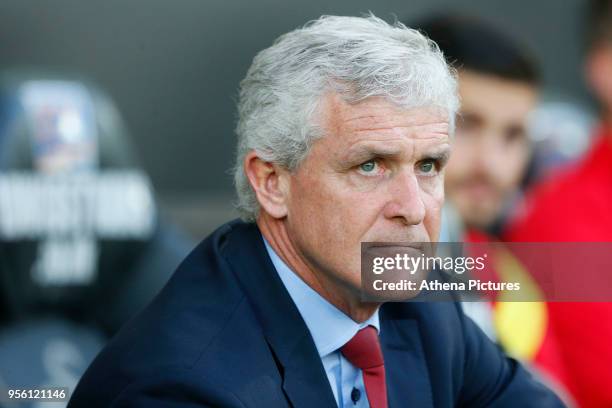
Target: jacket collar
point(304, 379)
point(329, 327)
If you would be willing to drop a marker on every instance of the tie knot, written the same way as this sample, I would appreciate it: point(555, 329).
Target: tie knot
point(363, 350)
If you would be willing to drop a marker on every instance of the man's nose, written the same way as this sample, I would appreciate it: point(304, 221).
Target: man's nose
point(405, 199)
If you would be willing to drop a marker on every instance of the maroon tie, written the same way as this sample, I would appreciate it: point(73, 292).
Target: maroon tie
point(363, 351)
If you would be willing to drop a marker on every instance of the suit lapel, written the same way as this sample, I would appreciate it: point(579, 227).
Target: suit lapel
point(408, 383)
point(306, 383)
point(304, 380)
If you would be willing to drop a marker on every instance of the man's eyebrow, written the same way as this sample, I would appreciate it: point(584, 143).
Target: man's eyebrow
point(365, 152)
point(441, 155)
point(368, 151)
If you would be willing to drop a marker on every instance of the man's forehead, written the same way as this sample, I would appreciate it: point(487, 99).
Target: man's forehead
point(377, 115)
point(376, 127)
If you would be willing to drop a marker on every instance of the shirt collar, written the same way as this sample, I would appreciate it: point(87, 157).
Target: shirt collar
point(330, 328)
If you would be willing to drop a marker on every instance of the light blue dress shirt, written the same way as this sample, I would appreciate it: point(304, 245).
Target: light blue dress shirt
point(330, 329)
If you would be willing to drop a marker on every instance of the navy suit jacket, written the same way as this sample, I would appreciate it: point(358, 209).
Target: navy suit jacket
point(224, 332)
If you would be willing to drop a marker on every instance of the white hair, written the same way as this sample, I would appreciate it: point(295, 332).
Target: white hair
point(358, 57)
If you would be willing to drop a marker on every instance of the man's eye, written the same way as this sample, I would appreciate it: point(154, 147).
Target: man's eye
point(427, 166)
point(369, 167)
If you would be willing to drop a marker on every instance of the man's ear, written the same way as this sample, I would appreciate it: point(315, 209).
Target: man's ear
point(269, 181)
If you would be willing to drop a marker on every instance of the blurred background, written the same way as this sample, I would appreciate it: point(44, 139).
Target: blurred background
point(173, 70)
point(117, 143)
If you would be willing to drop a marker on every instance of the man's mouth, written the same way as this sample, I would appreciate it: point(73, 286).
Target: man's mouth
point(397, 245)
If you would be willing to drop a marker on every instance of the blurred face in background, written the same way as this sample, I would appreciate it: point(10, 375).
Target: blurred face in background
point(491, 149)
point(599, 75)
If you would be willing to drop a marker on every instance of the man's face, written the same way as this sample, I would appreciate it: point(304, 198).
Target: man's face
point(491, 150)
point(376, 175)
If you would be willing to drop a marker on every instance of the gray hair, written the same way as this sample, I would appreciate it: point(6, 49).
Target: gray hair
point(358, 57)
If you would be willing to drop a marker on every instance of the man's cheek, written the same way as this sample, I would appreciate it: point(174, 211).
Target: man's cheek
point(432, 191)
point(433, 203)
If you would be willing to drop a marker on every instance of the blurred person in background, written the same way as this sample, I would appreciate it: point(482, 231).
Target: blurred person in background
point(573, 205)
point(499, 87)
point(82, 246)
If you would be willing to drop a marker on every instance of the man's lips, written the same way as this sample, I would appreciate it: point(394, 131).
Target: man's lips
point(413, 245)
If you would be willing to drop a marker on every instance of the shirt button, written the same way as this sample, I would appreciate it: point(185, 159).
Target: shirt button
point(355, 395)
